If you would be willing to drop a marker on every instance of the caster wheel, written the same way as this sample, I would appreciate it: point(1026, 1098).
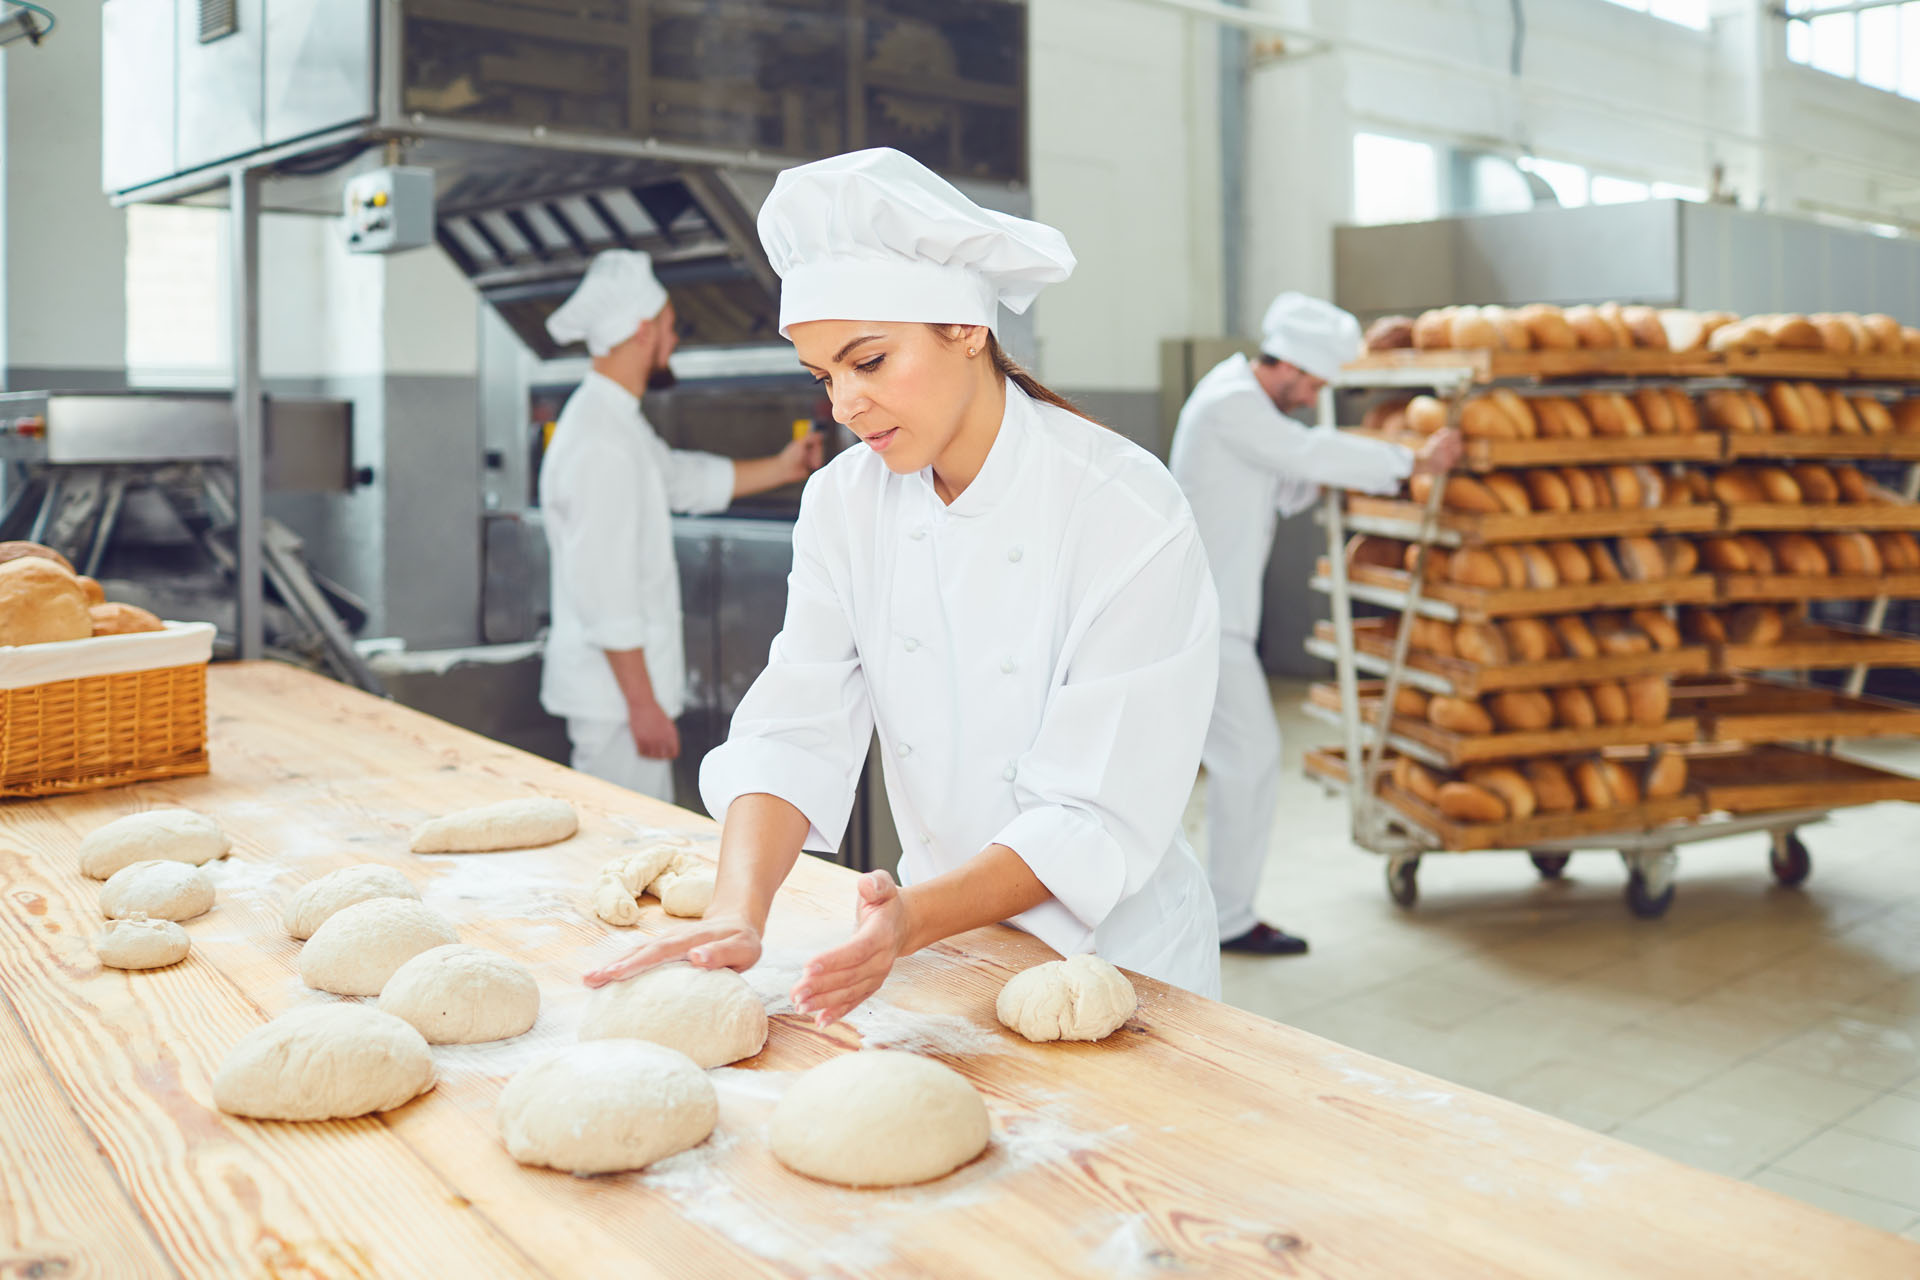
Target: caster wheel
point(1403, 882)
point(1551, 866)
point(1643, 901)
point(1791, 862)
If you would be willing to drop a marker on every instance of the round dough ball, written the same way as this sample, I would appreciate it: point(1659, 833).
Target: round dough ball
point(159, 889)
point(462, 995)
point(687, 893)
point(879, 1118)
point(606, 1106)
point(711, 1015)
point(139, 943)
point(316, 902)
point(324, 1062)
point(176, 835)
point(360, 947)
point(511, 824)
point(1080, 998)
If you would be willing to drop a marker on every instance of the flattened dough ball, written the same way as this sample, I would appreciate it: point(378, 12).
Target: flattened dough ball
point(159, 889)
point(324, 1062)
point(711, 1015)
point(316, 902)
point(1080, 998)
point(139, 943)
point(511, 824)
point(462, 995)
point(685, 893)
point(879, 1118)
point(360, 947)
point(170, 835)
point(605, 1106)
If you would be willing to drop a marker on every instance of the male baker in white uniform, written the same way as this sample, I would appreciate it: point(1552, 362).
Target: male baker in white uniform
point(615, 666)
point(1243, 462)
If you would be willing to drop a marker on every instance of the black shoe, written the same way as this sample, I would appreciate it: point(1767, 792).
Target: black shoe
point(1265, 940)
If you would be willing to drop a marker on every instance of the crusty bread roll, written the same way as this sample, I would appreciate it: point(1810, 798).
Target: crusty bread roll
point(1416, 779)
point(1816, 483)
point(1655, 410)
point(1610, 315)
point(1541, 573)
point(1509, 327)
point(1431, 635)
point(1665, 775)
point(1594, 785)
point(1846, 421)
point(1910, 340)
point(1625, 484)
point(1854, 485)
point(1548, 328)
point(1621, 781)
point(1436, 557)
point(123, 620)
point(1366, 548)
point(1657, 627)
point(1648, 699)
point(1836, 335)
point(1521, 710)
point(1703, 626)
point(1643, 323)
point(1572, 420)
point(1476, 567)
point(1852, 553)
point(1464, 493)
point(1575, 636)
point(1683, 558)
point(1727, 410)
point(1794, 333)
point(1725, 555)
point(94, 592)
point(1585, 490)
point(1573, 708)
point(1470, 330)
point(1605, 567)
point(1390, 333)
point(1552, 788)
point(1433, 330)
point(1409, 701)
point(1513, 566)
point(1570, 562)
point(1387, 416)
point(1480, 642)
point(1464, 802)
point(1686, 330)
point(1529, 640)
point(1874, 417)
point(1546, 490)
point(1739, 335)
point(1458, 715)
point(1813, 399)
point(1509, 492)
point(1426, 415)
point(1517, 411)
point(41, 603)
point(1789, 413)
point(1862, 340)
point(1617, 640)
point(1589, 328)
point(1777, 485)
point(1506, 782)
point(1641, 559)
point(32, 550)
point(1610, 702)
point(1737, 487)
point(1612, 414)
point(1759, 554)
point(1686, 414)
point(1481, 419)
point(1899, 551)
point(1763, 422)
point(1887, 339)
point(1755, 624)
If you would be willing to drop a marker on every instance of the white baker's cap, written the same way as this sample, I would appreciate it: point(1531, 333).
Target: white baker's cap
point(876, 235)
point(1309, 334)
point(619, 293)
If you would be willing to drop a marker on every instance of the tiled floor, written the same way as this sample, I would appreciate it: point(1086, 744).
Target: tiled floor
point(1763, 1033)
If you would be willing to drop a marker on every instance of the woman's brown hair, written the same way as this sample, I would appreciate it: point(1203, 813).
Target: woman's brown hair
point(1012, 370)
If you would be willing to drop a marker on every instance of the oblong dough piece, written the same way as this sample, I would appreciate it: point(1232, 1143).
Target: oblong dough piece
point(324, 1062)
point(139, 943)
point(459, 994)
point(159, 890)
point(711, 1015)
point(512, 824)
point(360, 947)
point(606, 1106)
point(879, 1118)
point(172, 835)
point(1079, 998)
point(319, 900)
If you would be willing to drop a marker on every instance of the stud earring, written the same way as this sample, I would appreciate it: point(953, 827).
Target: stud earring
point(973, 351)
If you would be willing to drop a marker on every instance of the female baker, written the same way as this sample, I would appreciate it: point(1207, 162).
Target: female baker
point(1013, 596)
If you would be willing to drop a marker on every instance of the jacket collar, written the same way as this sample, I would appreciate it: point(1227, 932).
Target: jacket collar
point(1002, 466)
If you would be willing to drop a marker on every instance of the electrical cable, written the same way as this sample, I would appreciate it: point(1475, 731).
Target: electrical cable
point(46, 15)
point(1519, 37)
point(319, 162)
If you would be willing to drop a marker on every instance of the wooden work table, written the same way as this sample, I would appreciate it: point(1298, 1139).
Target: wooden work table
point(1199, 1140)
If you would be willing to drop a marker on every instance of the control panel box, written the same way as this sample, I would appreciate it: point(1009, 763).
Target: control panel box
point(389, 210)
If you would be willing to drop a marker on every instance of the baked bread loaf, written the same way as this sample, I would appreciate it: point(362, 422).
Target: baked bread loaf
point(1415, 778)
point(1529, 640)
point(33, 550)
point(1789, 412)
point(1835, 334)
point(1777, 485)
point(1587, 493)
point(1887, 338)
point(94, 592)
point(1590, 329)
point(1513, 565)
point(1845, 420)
point(1390, 333)
point(1464, 802)
point(1611, 314)
point(41, 603)
point(1605, 567)
point(1643, 323)
point(1541, 573)
point(1852, 553)
point(1470, 330)
point(1521, 710)
point(1816, 483)
point(1552, 788)
point(1594, 785)
point(1476, 567)
point(1703, 626)
point(1899, 551)
point(1795, 333)
point(1759, 555)
point(1506, 782)
point(1620, 780)
point(1431, 635)
point(1575, 636)
point(1657, 627)
point(1509, 327)
point(1648, 699)
point(1433, 330)
point(1736, 487)
point(1682, 556)
point(1874, 417)
point(1610, 702)
point(1364, 548)
point(1573, 708)
point(1854, 485)
point(1481, 419)
point(1509, 492)
point(1547, 327)
point(1561, 418)
point(1726, 555)
point(1458, 715)
point(122, 620)
point(1624, 483)
point(1547, 490)
point(1641, 559)
point(1665, 775)
point(1729, 411)
point(1612, 414)
point(1686, 414)
point(1656, 410)
point(1480, 642)
point(1798, 553)
point(1570, 562)
point(1409, 701)
point(1755, 624)
point(1426, 415)
point(1685, 330)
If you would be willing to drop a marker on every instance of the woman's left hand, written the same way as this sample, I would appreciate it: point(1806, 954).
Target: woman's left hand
point(835, 982)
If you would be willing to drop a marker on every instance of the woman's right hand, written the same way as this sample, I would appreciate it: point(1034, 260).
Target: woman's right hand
point(721, 941)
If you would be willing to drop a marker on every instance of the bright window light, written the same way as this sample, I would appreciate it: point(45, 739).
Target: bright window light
point(1834, 44)
point(1617, 190)
point(1675, 191)
point(1687, 13)
point(1909, 49)
point(1880, 48)
point(1569, 181)
point(176, 272)
point(1394, 180)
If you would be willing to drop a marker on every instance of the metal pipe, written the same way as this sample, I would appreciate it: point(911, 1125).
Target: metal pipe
point(1862, 6)
point(1234, 68)
point(249, 410)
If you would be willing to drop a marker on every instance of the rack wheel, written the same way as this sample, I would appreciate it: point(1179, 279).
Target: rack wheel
point(1642, 900)
point(1403, 881)
point(1551, 866)
point(1791, 862)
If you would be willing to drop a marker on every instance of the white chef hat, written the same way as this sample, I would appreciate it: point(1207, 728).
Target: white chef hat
point(619, 292)
point(1309, 334)
point(876, 235)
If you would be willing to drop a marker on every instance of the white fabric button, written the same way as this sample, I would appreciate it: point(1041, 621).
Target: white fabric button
point(1009, 773)
point(918, 533)
point(925, 838)
point(1014, 554)
point(910, 644)
point(904, 749)
point(1008, 666)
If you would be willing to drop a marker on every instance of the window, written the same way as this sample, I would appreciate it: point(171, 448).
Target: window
point(1688, 13)
point(1607, 190)
point(1879, 45)
point(1569, 181)
point(1394, 180)
point(176, 277)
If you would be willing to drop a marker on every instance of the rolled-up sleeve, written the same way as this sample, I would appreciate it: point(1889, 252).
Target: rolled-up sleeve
point(1261, 436)
point(698, 484)
point(1102, 790)
point(601, 545)
point(802, 731)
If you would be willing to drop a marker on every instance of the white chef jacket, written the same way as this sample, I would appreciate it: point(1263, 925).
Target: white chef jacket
point(608, 488)
point(1039, 659)
point(1240, 461)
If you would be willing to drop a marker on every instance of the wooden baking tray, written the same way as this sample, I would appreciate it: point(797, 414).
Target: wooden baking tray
point(1457, 749)
point(1388, 514)
point(1744, 587)
point(1898, 448)
point(1459, 837)
point(1489, 365)
point(1374, 637)
point(1480, 603)
point(1820, 646)
point(1772, 777)
point(1740, 709)
point(1498, 455)
point(1827, 517)
point(1818, 365)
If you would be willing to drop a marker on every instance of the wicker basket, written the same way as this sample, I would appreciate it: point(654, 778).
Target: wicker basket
point(105, 712)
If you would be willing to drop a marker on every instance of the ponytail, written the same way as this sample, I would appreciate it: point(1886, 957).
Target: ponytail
point(1013, 371)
